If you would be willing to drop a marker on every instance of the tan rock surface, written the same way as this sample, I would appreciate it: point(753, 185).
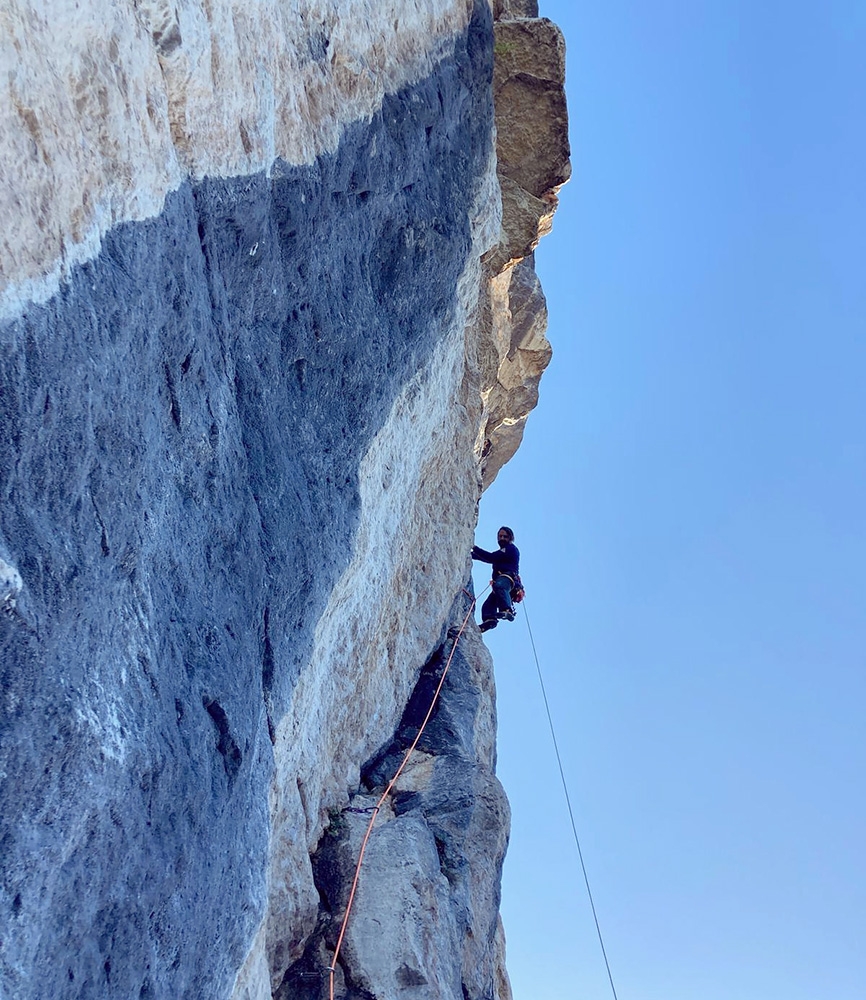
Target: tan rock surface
point(516, 357)
point(532, 151)
point(504, 10)
point(532, 147)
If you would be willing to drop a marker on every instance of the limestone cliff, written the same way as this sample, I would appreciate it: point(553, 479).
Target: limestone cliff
point(252, 372)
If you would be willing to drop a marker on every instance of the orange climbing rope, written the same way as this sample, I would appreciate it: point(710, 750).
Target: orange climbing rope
point(332, 968)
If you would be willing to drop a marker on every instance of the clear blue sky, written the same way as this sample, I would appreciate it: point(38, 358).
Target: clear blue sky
point(690, 503)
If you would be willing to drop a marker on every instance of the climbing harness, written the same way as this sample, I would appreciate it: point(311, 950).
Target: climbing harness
point(332, 968)
point(517, 591)
point(568, 803)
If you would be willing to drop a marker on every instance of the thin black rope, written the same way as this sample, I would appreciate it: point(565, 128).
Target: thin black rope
point(568, 803)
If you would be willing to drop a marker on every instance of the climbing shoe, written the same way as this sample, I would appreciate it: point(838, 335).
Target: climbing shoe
point(507, 616)
point(487, 624)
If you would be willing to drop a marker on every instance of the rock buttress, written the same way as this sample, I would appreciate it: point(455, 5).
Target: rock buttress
point(532, 151)
point(425, 921)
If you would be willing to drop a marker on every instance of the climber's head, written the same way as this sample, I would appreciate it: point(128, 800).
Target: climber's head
point(504, 536)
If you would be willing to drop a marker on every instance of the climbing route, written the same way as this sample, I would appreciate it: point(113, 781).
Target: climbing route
point(332, 968)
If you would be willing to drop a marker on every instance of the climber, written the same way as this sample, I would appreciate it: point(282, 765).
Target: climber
point(506, 566)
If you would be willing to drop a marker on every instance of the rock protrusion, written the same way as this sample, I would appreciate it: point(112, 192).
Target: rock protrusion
point(517, 354)
point(504, 10)
point(532, 150)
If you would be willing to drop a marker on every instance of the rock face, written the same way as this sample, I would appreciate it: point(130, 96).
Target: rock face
point(111, 108)
point(425, 926)
point(247, 350)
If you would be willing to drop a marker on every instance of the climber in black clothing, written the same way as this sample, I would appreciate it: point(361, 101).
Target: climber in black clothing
point(506, 567)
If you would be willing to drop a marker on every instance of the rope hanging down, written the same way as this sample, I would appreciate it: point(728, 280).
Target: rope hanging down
point(568, 803)
point(332, 968)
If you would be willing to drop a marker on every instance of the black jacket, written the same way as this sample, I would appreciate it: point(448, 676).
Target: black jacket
point(505, 560)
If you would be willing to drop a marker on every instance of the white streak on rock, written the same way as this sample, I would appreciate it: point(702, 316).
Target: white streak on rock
point(419, 485)
point(10, 583)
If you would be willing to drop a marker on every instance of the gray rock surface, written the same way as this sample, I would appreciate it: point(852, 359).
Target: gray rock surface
point(184, 424)
point(248, 364)
point(425, 918)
